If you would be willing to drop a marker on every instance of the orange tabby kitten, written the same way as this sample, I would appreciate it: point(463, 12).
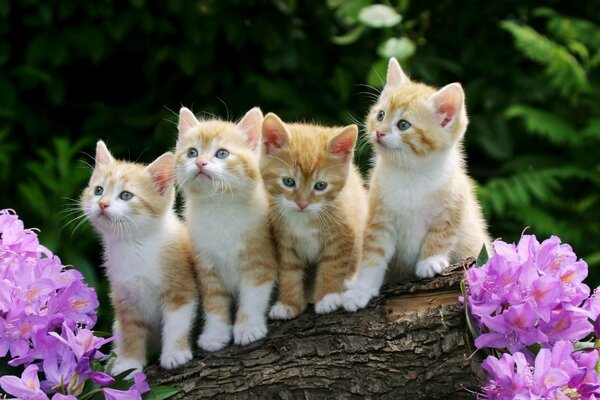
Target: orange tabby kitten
point(227, 215)
point(423, 213)
point(147, 256)
point(319, 211)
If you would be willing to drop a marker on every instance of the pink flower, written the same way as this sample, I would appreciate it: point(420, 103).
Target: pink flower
point(27, 387)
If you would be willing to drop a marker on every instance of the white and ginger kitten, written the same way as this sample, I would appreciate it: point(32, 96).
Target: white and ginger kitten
point(319, 212)
point(227, 216)
point(147, 256)
point(423, 212)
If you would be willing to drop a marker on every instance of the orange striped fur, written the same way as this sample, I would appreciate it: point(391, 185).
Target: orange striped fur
point(318, 232)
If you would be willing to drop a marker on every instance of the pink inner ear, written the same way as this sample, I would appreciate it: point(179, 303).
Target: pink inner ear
point(342, 146)
point(448, 110)
point(273, 140)
point(162, 178)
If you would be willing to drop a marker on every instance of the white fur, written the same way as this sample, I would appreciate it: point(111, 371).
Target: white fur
point(432, 266)
point(281, 311)
point(216, 333)
point(306, 235)
point(329, 303)
point(253, 303)
point(122, 364)
point(177, 324)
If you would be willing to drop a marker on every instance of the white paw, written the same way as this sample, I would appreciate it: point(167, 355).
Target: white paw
point(357, 298)
point(329, 303)
point(122, 364)
point(215, 340)
point(248, 333)
point(431, 266)
point(175, 358)
point(282, 311)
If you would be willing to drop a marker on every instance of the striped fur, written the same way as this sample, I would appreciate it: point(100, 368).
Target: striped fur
point(227, 217)
point(318, 232)
point(147, 256)
point(423, 212)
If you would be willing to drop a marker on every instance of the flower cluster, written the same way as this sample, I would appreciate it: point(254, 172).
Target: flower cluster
point(529, 293)
point(531, 296)
point(556, 373)
point(46, 313)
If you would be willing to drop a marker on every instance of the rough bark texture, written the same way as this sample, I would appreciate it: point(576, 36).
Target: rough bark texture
point(411, 342)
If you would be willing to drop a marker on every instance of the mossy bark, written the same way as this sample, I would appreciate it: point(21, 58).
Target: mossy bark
point(410, 343)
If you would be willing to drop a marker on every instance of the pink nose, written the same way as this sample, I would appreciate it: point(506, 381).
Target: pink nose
point(302, 204)
point(379, 134)
point(201, 164)
point(103, 205)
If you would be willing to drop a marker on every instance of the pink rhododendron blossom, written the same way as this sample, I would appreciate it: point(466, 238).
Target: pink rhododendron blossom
point(529, 293)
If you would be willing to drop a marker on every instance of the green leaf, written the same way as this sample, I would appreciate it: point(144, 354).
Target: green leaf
point(349, 37)
point(483, 256)
point(379, 16)
point(401, 48)
point(161, 392)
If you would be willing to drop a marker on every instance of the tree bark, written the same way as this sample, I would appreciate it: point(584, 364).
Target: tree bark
point(410, 342)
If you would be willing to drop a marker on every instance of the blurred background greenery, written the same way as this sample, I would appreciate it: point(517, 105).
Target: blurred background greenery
point(73, 72)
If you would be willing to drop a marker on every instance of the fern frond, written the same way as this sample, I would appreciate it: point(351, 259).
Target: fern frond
point(565, 72)
point(546, 125)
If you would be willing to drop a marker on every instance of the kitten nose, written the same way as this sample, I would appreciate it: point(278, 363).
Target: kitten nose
point(379, 134)
point(201, 164)
point(103, 205)
point(302, 204)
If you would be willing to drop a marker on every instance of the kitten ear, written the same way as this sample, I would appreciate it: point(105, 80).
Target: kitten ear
point(342, 145)
point(103, 156)
point(447, 103)
point(251, 126)
point(274, 134)
point(162, 171)
point(187, 120)
point(395, 75)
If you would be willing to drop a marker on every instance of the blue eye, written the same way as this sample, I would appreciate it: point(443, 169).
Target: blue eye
point(320, 185)
point(98, 190)
point(222, 153)
point(289, 182)
point(192, 153)
point(125, 195)
point(380, 115)
point(404, 124)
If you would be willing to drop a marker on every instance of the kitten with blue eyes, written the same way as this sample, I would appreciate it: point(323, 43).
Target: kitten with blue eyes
point(147, 256)
point(227, 215)
point(423, 212)
point(319, 210)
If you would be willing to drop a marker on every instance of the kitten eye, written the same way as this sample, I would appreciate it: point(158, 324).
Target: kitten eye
point(289, 182)
point(98, 190)
point(381, 115)
point(404, 124)
point(320, 185)
point(221, 153)
point(125, 195)
point(192, 153)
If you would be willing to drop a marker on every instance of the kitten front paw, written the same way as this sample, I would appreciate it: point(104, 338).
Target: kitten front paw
point(283, 311)
point(329, 303)
point(431, 266)
point(213, 341)
point(248, 333)
point(356, 298)
point(175, 358)
point(122, 364)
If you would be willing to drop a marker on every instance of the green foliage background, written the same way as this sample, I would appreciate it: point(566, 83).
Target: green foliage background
point(75, 72)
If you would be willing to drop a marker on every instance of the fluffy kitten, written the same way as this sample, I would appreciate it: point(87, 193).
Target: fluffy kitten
point(227, 215)
point(147, 256)
point(423, 213)
point(319, 212)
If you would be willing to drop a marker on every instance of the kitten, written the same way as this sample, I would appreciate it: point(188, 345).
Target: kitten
point(147, 256)
point(423, 212)
point(319, 212)
point(227, 215)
